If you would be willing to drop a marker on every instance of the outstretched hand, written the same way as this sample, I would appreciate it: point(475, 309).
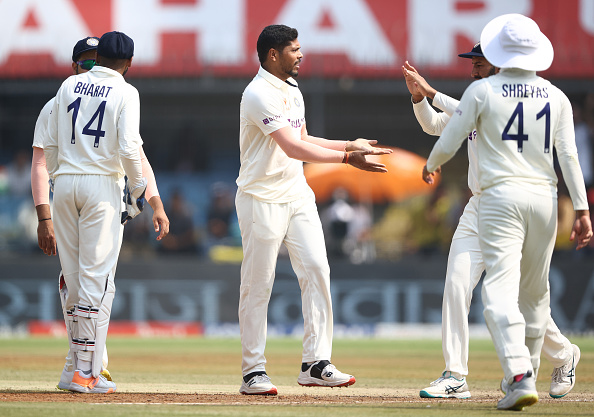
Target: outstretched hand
point(365, 145)
point(358, 160)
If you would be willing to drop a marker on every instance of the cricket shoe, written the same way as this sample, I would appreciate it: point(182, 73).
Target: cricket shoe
point(323, 374)
point(258, 384)
point(519, 394)
point(66, 379)
point(447, 386)
point(90, 385)
point(563, 378)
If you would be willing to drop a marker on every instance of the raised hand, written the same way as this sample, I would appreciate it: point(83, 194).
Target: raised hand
point(422, 87)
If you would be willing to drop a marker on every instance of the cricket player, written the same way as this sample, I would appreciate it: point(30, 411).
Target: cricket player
point(465, 261)
point(519, 118)
point(275, 206)
point(93, 140)
point(83, 59)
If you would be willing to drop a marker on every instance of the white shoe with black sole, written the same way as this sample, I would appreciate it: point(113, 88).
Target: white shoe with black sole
point(323, 374)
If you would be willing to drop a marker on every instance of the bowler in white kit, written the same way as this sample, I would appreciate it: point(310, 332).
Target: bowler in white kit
point(276, 206)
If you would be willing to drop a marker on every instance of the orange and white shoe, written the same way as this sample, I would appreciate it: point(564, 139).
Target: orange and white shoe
point(90, 385)
point(66, 379)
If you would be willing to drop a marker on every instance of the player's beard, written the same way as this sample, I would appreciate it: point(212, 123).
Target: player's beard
point(293, 71)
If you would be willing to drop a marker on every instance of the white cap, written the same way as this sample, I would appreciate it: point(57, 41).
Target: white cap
point(515, 41)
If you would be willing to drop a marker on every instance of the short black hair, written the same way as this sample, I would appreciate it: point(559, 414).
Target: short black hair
point(274, 36)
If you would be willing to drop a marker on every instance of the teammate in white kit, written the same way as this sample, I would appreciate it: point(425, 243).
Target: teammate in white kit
point(275, 206)
point(465, 262)
point(83, 59)
point(519, 118)
point(93, 140)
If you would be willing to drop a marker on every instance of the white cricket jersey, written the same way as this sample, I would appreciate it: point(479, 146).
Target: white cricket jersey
point(434, 123)
point(519, 118)
point(267, 105)
point(94, 127)
point(41, 124)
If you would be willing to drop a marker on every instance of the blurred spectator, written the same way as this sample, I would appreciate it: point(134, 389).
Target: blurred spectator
point(220, 217)
point(336, 219)
point(137, 236)
point(182, 237)
point(348, 229)
point(18, 174)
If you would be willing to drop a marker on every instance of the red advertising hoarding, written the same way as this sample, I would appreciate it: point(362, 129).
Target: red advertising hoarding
point(339, 38)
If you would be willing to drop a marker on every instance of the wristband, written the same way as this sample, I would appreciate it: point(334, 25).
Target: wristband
point(42, 220)
point(345, 160)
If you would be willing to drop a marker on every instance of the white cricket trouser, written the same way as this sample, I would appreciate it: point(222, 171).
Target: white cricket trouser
point(464, 270)
point(264, 227)
point(517, 226)
point(87, 219)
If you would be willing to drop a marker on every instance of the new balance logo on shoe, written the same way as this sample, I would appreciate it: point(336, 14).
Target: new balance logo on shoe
point(323, 374)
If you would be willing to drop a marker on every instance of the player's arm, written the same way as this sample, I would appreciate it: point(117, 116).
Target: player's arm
point(46, 238)
point(564, 141)
point(432, 122)
point(359, 144)
point(130, 141)
point(309, 152)
point(160, 219)
point(50, 145)
point(456, 131)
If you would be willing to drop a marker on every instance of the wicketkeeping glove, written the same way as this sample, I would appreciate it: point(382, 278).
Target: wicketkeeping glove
point(134, 200)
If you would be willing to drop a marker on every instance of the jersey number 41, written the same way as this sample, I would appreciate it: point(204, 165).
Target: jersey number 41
point(520, 137)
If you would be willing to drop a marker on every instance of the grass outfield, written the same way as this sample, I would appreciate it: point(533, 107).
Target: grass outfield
point(201, 376)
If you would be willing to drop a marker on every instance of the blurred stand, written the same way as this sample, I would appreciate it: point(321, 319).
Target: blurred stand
point(182, 237)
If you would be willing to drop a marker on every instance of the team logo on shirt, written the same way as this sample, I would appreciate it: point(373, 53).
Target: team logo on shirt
point(297, 102)
point(92, 42)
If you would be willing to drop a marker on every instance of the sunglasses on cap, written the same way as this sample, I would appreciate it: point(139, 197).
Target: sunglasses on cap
point(87, 64)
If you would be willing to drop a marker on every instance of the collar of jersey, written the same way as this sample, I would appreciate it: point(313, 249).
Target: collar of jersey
point(275, 81)
point(99, 68)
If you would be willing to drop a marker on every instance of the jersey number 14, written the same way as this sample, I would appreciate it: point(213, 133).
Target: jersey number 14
point(520, 137)
point(87, 130)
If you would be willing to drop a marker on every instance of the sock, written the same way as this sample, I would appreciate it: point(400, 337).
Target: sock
point(84, 366)
point(253, 374)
